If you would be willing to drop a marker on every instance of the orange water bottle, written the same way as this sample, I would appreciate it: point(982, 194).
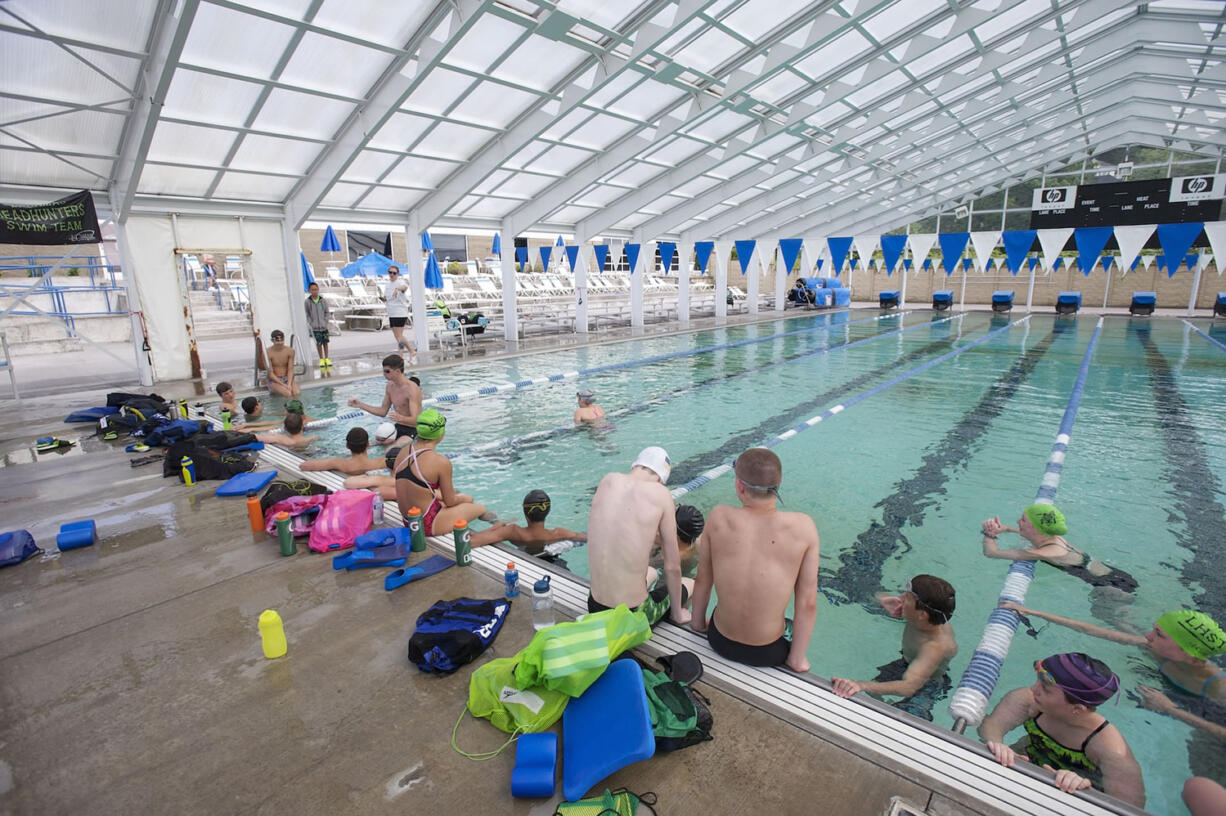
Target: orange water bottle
point(255, 513)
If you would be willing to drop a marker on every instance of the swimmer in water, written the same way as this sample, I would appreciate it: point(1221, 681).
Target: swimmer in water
point(533, 538)
point(588, 410)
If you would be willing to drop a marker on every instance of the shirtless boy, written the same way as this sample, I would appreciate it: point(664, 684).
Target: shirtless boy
point(928, 644)
point(401, 398)
point(628, 511)
point(533, 538)
point(253, 411)
point(281, 367)
point(757, 558)
point(229, 402)
point(357, 463)
point(292, 438)
point(588, 410)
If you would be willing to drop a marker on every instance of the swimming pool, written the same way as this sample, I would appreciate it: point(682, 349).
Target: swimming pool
point(899, 481)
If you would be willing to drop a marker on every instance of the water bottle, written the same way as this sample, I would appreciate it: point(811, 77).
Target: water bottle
point(511, 576)
point(225, 419)
point(542, 604)
point(285, 536)
point(272, 634)
point(183, 409)
point(199, 411)
point(188, 468)
point(417, 537)
point(378, 507)
point(255, 513)
point(463, 545)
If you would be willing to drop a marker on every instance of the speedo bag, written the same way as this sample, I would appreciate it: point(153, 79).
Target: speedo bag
point(493, 695)
point(346, 515)
point(451, 634)
point(16, 546)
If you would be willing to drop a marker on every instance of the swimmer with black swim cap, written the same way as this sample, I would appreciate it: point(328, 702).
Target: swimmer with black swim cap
point(533, 538)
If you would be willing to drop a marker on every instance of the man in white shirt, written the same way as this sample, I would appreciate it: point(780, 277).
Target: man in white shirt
point(395, 293)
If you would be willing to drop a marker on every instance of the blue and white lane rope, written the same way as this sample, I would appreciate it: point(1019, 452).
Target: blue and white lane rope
point(970, 698)
point(511, 441)
point(1212, 340)
point(583, 372)
point(719, 470)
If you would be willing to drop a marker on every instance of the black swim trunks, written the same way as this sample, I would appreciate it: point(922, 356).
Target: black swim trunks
point(771, 654)
point(406, 430)
point(922, 702)
point(655, 607)
point(397, 322)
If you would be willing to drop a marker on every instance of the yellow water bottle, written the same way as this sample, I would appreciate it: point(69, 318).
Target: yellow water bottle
point(272, 634)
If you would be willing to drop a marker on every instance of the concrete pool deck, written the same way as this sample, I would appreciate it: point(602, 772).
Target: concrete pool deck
point(133, 682)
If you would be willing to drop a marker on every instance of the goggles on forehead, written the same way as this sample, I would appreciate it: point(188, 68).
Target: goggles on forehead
point(929, 609)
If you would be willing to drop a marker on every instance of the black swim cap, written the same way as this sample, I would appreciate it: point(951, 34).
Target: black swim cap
point(689, 522)
point(536, 505)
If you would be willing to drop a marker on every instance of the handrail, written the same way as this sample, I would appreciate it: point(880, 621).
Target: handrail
point(970, 698)
point(7, 363)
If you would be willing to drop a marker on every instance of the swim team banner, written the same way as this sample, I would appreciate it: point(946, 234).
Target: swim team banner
point(71, 220)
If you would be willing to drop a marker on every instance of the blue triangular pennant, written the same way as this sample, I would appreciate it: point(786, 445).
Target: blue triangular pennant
point(789, 248)
point(928, 263)
point(602, 255)
point(1176, 239)
point(1032, 263)
point(521, 255)
point(1135, 261)
point(703, 250)
point(572, 256)
point(545, 253)
point(967, 263)
point(838, 252)
point(744, 251)
point(892, 247)
point(906, 264)
point(1090, 243)
point(667, 250)
point(632, 255)
point(991, 263)
point(1059, 263)
point(820, 261)
point(953, 244)
point(1017, 246)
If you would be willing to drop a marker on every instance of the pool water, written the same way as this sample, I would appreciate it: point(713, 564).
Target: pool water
point(899, 482)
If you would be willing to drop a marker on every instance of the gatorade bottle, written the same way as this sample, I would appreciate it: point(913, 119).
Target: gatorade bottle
point(378, 508)
point(255, 513)
point(225, 419)
point(272, 634)
point(463, 547)
point(189, 470)
point(511, 576)
point(285, 536)
point(417, 537)
point(542, 604)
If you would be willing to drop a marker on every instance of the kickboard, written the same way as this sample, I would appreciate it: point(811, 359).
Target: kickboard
point(90, 414)
point(239, 485)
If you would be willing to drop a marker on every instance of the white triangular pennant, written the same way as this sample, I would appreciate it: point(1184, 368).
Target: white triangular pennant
point(984, 243)
point(921, 243)
point(865, 245)
point(1146, 260)
point(1052, 241)
point(1216, 230)
point(1131, 239)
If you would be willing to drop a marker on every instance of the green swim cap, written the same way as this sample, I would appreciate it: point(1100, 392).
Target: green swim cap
point(1195, 632)
point(294, 407)
point(1047, 519)
point(430, 424)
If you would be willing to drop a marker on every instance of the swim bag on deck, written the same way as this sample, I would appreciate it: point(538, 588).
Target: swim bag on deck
point(451, 634)
point(571, 656)
point(302, 510)
point(282, 489)
point(493, 695)
point(347, 514)
point(16, 547)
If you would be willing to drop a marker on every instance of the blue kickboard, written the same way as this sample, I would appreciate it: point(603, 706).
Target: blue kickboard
point(91, 414)
point(248, 446)
point(605, 729)
point(77, 534)
point(238, 485)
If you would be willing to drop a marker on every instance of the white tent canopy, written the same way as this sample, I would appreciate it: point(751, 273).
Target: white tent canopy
point(707, 118)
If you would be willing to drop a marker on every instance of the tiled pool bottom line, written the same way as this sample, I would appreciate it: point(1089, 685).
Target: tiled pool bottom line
point(955, 767)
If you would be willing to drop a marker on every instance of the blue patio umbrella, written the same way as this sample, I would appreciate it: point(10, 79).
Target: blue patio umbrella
point(307, 277)
point(434, 275)
point(427, 244)
point(330, 243)
point(497, 250)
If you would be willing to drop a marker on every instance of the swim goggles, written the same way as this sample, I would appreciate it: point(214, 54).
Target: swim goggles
point(927, 608)
point(534, 506)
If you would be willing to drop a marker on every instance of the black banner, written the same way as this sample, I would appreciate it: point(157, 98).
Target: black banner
point(71, 220)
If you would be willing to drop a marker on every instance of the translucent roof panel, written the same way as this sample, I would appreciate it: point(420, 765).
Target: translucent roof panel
point(601, 117)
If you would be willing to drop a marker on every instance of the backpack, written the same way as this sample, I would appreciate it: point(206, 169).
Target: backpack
point(680, 715)
point(283, 489)
point(451, 634)
point(346, 515)
point(302, 510)
point(172, 432)
point(210, 464)
point(16, 546)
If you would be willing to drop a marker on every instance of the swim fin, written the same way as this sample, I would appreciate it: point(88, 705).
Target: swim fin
point(685, 667)
point(391, 556)
point(424, 569)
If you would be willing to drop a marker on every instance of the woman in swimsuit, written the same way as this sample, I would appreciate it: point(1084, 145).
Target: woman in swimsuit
point(1182, 641)
point(1043, 525)
point(1059, 712)
point(423, 480)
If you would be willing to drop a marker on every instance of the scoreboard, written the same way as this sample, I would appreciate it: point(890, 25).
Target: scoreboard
point(1152, 201)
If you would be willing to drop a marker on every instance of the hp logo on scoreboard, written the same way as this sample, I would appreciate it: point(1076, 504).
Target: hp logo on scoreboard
point(1197, 188)
point(1198, 184)
point(1054, 198)
point(1056, 195)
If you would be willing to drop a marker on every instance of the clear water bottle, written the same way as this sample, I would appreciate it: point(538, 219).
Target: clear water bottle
point(542, 604)
point(511, 577)
point(378, 507)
